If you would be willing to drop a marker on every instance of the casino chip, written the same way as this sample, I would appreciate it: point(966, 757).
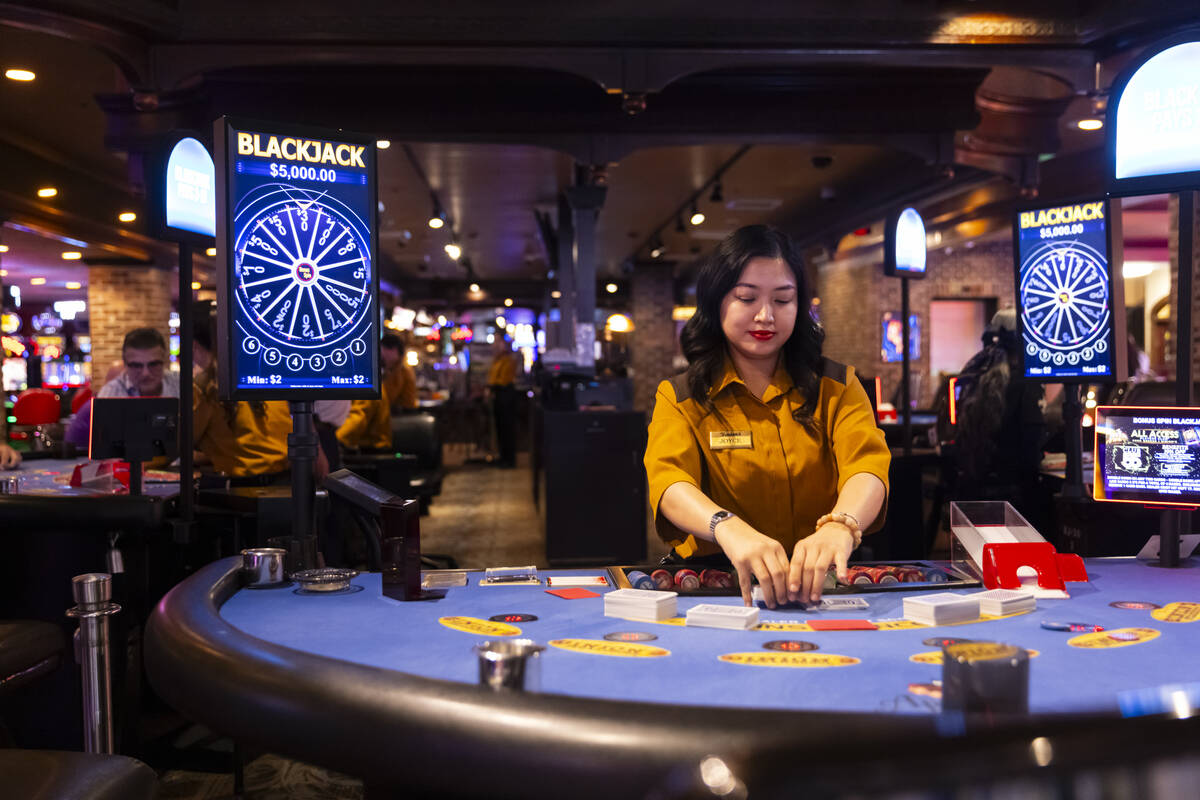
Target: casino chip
point(1123, 636)
point(513, 618)
point(630, 636)
point(789, 645)
point(1140, 605)
point(943, 641)
point(1072, 627)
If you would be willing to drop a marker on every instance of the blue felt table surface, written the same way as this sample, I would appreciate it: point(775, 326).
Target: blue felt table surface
point(49, 477)
point(368, 628)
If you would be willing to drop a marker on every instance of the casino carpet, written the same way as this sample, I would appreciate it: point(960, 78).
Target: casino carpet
point(268, 777)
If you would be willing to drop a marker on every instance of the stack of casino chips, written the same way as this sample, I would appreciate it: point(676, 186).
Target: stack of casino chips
point(684, 579)
point(641, 604)
point(886, 574)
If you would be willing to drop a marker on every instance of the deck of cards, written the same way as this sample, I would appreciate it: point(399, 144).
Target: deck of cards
point(647, 605)
point(943, 608)
point(998, 602)
point(711, 615)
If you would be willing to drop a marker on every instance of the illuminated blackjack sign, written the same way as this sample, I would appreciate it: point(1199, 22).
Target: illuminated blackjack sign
point(298, 297)
point(1070, 308)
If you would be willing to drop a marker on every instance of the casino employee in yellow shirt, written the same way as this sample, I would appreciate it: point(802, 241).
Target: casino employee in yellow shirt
point(764, 449)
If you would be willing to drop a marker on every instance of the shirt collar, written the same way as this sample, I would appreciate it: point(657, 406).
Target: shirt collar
point(781, 382)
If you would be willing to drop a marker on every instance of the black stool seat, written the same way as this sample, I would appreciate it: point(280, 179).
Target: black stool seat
point(29, 649)
point(57, 774)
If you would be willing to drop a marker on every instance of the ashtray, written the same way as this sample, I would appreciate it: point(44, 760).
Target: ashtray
point(327, 579)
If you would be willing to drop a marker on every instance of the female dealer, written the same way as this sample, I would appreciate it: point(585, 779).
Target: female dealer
point(764, 449)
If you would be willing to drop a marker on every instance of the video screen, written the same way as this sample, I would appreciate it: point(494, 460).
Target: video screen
point(892, 340)
point(1148, 455)
point(1065, 292)
point(300, 289)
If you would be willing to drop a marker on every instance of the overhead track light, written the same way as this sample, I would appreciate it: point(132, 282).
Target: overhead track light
point(697, 217)
point(717, 196)
point(453, 250)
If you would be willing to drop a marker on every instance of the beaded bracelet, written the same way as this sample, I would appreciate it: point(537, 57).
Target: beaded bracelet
point(844, 518)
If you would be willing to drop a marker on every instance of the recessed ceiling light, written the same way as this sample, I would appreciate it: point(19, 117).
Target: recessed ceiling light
point(436, 222)
point(126, 216)
point(211, 252)
point(72, 255)
point(16, 74)
point(36, 281)
point(611, 288)
point(47, 191)
point(508, 302)
point(383, 144)
point(475, 288)
point(1090, 124)
point(73, 285)
point(556, 294)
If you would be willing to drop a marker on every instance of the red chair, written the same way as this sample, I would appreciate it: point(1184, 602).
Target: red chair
point(81, 397)
point(37, 407)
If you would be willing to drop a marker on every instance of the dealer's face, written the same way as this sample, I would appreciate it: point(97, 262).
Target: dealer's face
point(759, 313)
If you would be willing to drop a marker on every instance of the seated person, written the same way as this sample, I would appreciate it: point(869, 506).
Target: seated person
point(144, 354)
point(242, 440)
point(368, 426)
point(398, 377)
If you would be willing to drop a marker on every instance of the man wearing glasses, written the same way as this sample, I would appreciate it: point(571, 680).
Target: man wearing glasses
point(144, 353)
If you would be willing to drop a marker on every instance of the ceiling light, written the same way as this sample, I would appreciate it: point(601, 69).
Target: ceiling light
point(441, 320)
point(3, 273)
point(501, 322)
point(718, 195)
point(611, 288)
point(438, 218)
point(195, 286)
point(556, 294)
point(211, 252)
point(697, 215)
point(126, 216)
point(453, 250)
point(475, 288)
point(72, 255)
point(383, 144)
point(73, 285)
point(47, 191)
point(36, 281)
point(619, 323)
point(508, 302)
point(3, 248)
point(657, 248)
point(1140, 269)
point(15, 74)
point(1090, 124)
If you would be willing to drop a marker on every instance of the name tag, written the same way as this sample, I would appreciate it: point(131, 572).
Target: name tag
point(729, 440)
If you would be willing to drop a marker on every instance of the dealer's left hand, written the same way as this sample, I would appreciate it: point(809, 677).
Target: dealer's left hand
point(831, 544)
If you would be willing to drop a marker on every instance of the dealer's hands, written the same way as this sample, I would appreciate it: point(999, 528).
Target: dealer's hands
point(832, 544)
point(752, 553)
point(9, 458)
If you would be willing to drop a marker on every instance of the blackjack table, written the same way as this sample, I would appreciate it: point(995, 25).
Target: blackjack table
point(389, 690)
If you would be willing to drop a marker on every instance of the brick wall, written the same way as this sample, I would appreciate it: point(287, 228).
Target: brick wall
point(1173, 238)
point(120, 299)
point(855, 293)
point(653, 342)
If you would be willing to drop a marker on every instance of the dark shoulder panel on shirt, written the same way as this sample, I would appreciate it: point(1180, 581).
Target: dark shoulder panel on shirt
point(833, 370)
point(680, 385)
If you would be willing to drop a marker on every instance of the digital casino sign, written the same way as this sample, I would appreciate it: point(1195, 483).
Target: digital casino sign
point(298, 300)
point(1148, 455)
point(1065, 292)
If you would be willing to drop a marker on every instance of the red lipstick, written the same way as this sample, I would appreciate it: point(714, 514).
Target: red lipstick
point(763, 336)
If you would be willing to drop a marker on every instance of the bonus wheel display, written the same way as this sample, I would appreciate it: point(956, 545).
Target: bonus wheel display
point(1064, 301)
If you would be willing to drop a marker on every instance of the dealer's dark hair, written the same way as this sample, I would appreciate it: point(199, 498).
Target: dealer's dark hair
point(391, 341)
point(703, 341)
point(143, 339)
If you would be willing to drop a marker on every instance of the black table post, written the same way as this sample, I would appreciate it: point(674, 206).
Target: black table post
point(302, 453)
point(1073, 441)
point(186, 484)
point(1183, 302)
point(905, 369)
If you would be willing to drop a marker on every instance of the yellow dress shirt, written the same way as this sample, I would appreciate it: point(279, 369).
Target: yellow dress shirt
point(251, 443)
point(752, 457)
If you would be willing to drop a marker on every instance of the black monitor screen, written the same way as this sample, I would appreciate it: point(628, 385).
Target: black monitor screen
point(134, 428)
point(1148, 455)
point(298, 296)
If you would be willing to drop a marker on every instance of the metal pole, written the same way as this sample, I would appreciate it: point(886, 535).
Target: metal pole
point(905, 366)
point(93, 596)
point(1073, 433)
point(302, 453)
point(1183, 302)
point(186, 485)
